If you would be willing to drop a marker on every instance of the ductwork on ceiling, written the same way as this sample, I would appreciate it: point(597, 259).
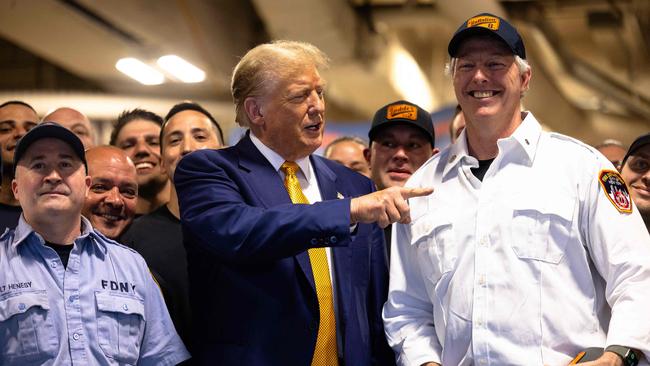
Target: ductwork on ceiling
point(360, 74)
point(590, 59)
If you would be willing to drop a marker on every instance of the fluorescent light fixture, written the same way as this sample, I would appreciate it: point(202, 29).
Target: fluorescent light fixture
point(181, 69)
point(139, 71)
point(407, 77)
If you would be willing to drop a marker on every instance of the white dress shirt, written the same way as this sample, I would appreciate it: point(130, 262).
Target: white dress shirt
point(528, 267)
point(309, 186)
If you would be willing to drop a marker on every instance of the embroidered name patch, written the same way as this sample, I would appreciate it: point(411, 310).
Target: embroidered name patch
point(484, 21)
point(616, 190)
point(404, 111)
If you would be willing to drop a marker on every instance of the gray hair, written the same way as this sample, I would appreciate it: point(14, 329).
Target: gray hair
point(450, 67)
point(266, 64)
point(522, 64)
point(355, 139)
point(610, 142)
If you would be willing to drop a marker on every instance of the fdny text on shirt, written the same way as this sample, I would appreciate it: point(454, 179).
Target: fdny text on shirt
point(118, 286)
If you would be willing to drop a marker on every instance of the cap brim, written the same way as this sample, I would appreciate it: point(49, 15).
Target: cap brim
point(461, 36)
point(54, 131)
point(636, 145)
point(373, 131)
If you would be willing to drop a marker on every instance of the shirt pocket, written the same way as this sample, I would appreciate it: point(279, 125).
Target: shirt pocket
point(436, 247)
point(120, 325)
point(27, 332)
point(541, 228)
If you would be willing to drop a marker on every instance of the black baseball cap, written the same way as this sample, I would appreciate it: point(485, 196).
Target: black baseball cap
point(636, 145)
point(486, 23)
point(402, 113)
point(50, 130)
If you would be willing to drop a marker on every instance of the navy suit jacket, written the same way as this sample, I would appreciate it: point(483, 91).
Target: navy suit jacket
point(251, 285)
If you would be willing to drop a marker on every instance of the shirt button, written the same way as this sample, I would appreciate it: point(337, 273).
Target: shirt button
point(314, 241)
point(125, 307)
point(75, 336)
point(333, 239)
point(481, 280)
point(452, 158)
point(21, 306)
point(482, 361)
point(484, 241)
point(71, 298)
point(53, 265)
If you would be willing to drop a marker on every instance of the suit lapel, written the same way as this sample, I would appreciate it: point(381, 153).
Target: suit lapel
point(326, 179)
point(270, 189)
point(264, 180)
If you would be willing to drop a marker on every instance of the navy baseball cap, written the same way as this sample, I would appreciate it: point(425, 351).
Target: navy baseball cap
point(402, 113)
point(487, 23)
point(636, 145)
point(50, 130)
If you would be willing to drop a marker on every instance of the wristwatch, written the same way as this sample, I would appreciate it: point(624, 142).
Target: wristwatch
point(628, 356)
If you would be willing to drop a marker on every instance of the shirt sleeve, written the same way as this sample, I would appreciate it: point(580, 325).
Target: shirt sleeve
point(161, 345)
point(219, 214)
point(408, 313)
point(619, 245)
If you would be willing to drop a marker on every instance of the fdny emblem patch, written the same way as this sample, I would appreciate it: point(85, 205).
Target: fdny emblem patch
point(616, 190)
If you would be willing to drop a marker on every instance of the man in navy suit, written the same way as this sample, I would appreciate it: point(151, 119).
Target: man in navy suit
point(257, 289)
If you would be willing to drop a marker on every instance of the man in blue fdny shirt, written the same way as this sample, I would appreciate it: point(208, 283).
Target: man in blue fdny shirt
point(69, 295)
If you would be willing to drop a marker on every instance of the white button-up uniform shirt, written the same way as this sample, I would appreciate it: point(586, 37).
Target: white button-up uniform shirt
point(528, 267)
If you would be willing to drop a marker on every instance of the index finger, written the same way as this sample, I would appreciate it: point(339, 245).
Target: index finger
point(416, 192)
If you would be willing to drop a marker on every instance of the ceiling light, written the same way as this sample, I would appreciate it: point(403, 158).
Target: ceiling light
point(181, 69)
point(138, 70)
point(407, 77)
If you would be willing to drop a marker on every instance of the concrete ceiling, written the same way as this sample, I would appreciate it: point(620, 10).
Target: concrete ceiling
point(591, 69)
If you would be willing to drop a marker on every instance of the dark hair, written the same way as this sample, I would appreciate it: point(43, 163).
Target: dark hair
point(128, 116)
point(18, 102)
point(190, 106)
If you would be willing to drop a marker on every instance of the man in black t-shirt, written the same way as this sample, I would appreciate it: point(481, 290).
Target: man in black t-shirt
point(158, 236)
point(16, 118)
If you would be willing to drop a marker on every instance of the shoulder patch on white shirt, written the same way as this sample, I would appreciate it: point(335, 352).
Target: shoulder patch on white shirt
point(616, 190)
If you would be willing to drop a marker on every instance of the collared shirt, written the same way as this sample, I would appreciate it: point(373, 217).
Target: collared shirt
point(528, 267)
point(309, 186)
point(103, 309)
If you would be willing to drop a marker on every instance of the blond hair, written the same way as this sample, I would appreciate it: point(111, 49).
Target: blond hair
point(266, 64)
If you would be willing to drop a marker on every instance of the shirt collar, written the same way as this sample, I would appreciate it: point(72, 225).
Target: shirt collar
point(457, 152)
point(23, 231)
point(526, 136)
point(276, 160)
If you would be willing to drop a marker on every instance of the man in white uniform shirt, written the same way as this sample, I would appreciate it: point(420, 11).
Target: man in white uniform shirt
point(530, 250)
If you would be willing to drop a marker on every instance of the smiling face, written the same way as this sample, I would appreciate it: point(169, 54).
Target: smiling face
point(185, 132)
point(15, 121)
point(636, 173)
point(395, 153)
point(50, 182)
point(488, 83)
point(140, 140)
point(290, 116)
point(113, 195)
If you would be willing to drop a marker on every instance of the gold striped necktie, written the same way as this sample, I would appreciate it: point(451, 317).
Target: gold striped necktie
point(325, 353)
